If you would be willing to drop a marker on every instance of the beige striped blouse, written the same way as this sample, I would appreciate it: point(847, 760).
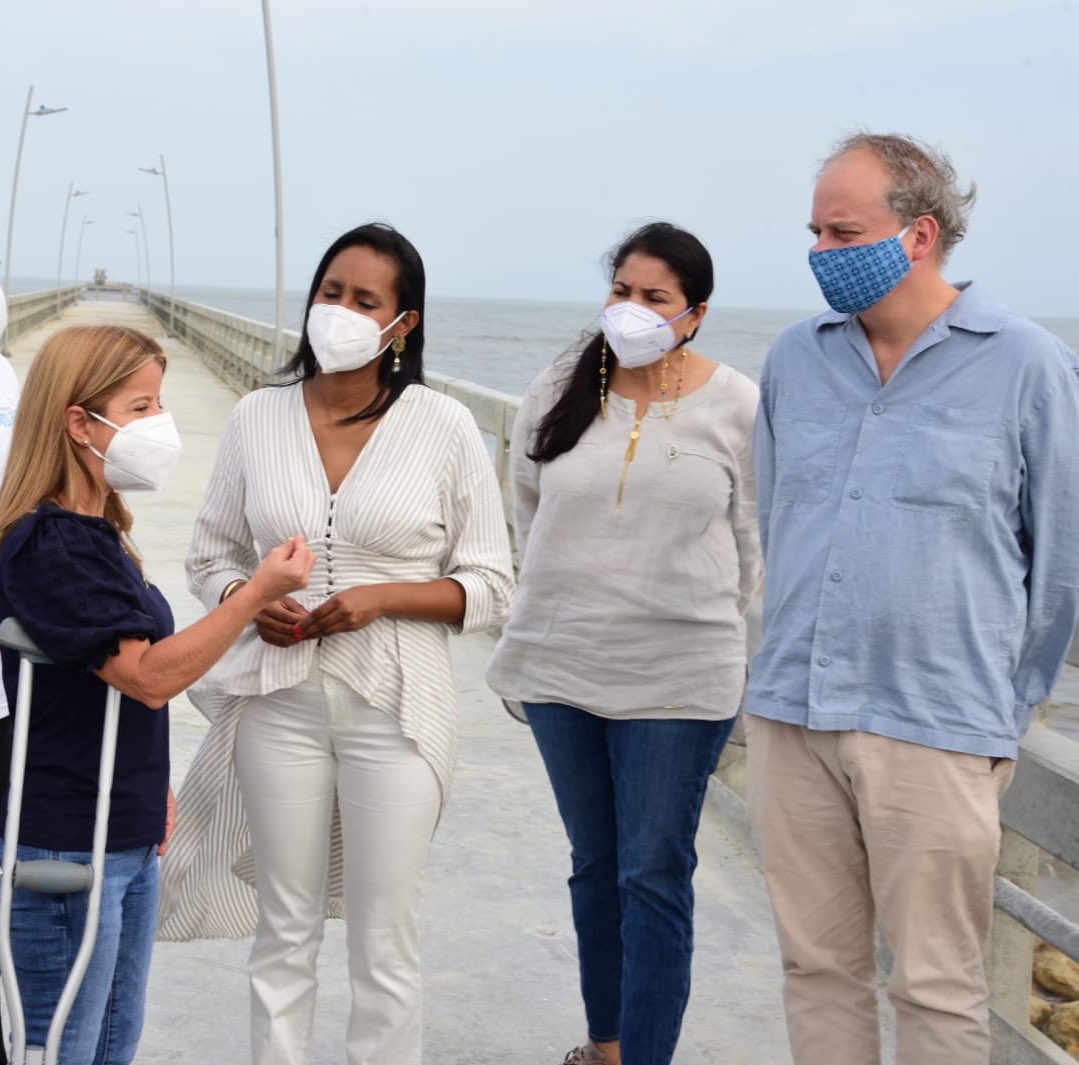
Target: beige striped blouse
point(421, 502)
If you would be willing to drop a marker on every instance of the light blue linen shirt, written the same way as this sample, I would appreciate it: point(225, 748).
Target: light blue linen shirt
point(921, 537)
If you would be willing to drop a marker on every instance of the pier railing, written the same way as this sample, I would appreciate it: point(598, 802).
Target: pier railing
point(1038, 814)
point(31, 309)
point(239, 350)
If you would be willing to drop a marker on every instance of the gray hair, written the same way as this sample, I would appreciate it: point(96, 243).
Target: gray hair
point(924, 182)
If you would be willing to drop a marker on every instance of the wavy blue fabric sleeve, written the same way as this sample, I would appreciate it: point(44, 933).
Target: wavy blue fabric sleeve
point(73, 588)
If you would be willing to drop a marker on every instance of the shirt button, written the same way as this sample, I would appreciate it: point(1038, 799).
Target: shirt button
point(856, 493)
point(877, 408)
point(824, 660)
point(836, 576)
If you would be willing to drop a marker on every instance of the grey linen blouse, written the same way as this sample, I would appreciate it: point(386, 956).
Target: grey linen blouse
point(637, 613)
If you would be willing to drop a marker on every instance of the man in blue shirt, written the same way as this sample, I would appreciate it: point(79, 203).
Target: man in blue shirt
point(919, 510)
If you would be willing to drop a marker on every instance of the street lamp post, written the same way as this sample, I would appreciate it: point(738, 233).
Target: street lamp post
point(145, 244)
point(279, 234)
point(72, 192)
point(138, 257)
point(163, 174)
point(42, 110)
point(78, 249)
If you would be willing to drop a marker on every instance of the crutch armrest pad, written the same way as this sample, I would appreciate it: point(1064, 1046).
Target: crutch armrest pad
point(13, 635)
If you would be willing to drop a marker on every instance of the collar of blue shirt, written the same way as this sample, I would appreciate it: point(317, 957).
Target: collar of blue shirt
point(976, 311)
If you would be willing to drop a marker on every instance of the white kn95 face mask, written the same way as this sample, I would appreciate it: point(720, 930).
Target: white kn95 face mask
point(638, 335)
point(344, 340)
point(142, 454)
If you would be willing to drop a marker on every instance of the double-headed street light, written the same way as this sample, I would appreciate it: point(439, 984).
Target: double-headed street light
point(78, 250)
point(172, 260)
point(41, 111)
point(72, 192)
point(145, 243)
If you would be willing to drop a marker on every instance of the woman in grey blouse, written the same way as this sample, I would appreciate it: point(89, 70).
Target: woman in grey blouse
point(334, 716)
point(636, 525)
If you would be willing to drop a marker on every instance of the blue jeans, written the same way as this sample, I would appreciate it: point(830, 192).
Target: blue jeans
point(630, 794)
point(46, 930)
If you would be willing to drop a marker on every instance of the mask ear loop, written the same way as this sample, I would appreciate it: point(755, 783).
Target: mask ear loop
point(86, 442)
point(689, 336)
point(101, 418)
point(665, 322)
point(392, 324)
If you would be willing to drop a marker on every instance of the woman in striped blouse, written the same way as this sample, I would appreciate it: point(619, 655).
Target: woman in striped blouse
point(336, 710)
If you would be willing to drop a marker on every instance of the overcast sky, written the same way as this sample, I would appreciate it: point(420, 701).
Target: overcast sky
point(513, 142)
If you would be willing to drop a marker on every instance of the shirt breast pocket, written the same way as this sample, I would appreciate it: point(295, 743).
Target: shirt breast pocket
point(695, 478)
point(945, 462)
point(807, 445)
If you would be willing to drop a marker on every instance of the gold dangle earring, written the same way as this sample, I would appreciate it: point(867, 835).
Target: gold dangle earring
point(398, 346)
point(603, 379)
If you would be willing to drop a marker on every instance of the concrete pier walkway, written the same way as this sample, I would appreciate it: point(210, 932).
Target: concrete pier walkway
point(499, 950)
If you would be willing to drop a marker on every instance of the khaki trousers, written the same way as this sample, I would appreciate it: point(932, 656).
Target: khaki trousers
point(854, 830)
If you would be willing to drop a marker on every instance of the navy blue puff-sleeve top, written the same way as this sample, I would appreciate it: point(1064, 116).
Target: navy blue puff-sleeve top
point(69, 582)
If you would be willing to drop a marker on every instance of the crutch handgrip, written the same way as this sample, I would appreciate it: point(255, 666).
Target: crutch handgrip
point(53, 877)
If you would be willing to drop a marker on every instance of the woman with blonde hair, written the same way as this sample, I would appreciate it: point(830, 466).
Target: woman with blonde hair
point(90, 426)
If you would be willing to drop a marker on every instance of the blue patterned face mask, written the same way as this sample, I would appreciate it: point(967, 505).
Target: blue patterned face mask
point(853, 279)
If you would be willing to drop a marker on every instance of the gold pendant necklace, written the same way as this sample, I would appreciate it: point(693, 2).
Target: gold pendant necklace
point(668, 410)
point(631, 454)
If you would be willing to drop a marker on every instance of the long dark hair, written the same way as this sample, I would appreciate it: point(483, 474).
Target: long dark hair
point(410, 285)
point(575, 410)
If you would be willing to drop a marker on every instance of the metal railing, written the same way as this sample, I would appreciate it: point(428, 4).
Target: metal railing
point(31, 309)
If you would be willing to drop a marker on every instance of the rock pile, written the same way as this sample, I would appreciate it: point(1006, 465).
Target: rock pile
point(1058, 975)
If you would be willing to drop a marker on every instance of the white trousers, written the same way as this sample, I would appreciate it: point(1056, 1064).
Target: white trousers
point(296, 751)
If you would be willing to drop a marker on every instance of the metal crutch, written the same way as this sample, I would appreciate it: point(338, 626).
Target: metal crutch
point(50, 877)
